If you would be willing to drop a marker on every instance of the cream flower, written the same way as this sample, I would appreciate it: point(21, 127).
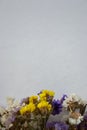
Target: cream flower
point(73, 98)
point(2, 110)
point(75, 118)
point(12, 104)
point(73, 121)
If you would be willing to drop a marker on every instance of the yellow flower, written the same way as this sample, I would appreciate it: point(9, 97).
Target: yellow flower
point(48, 92)
point(44, 104)
point(42, 96)
point(28, 108)
point(33, 99)
point(23, 110)
point(45, 94)
point(49, 107)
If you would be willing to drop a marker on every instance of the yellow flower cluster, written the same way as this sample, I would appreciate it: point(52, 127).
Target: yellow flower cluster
point(44, 104)
point(45, 93)
point(27, 108)
point(41, 104)
point(48, 92)
point(33, 99)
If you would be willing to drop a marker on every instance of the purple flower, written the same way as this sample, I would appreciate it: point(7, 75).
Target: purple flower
point(24, 100)
point(57, 125)
point(85, 117)
point(9, 120)
point(57, 107)
point(63, 98)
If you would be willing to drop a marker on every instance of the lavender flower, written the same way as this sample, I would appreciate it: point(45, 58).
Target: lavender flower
point(11, 117)
point(9, 121)
point(57, 125)
point(24, 101)
point(57, 107)
point(85, 117)
point(63, 98)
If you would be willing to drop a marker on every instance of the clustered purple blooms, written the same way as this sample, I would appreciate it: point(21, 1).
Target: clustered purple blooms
point(12, 117)
point(57, 105)
point(85, 117)
point(57, 125)
point(63, 98)
point(9, 120)
point(23, 101)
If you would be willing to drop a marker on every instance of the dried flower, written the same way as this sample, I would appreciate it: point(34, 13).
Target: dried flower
point(35, 112)
point(57, 125)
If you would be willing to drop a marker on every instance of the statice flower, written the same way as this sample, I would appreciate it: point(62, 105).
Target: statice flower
point(57, 105)
point(12, 104)
point(63, 98)
point(2, 110)
point(24, 101)
point(85, 117)
point(7, 120)
point(74, 121)
point(9, 113)
point(43, 112)
point(57, 125)
point(73, 98)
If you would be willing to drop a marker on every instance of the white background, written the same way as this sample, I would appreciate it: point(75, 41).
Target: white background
point(43, 45)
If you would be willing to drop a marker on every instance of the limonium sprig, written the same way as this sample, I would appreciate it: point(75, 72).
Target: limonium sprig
point(42, 112)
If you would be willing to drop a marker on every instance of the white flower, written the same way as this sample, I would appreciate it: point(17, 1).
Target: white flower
point(83, 102)
point(65, 102)
point(3, 119)
point(12, 104)
point(74, 121)
point(10, 101)
point(73, 98)
point(2, 110)
point(10, 125)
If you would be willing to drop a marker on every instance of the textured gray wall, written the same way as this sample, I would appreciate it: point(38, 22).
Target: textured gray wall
point(43, 45)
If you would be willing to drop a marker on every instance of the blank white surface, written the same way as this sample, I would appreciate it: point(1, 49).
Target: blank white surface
point(43, 45)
